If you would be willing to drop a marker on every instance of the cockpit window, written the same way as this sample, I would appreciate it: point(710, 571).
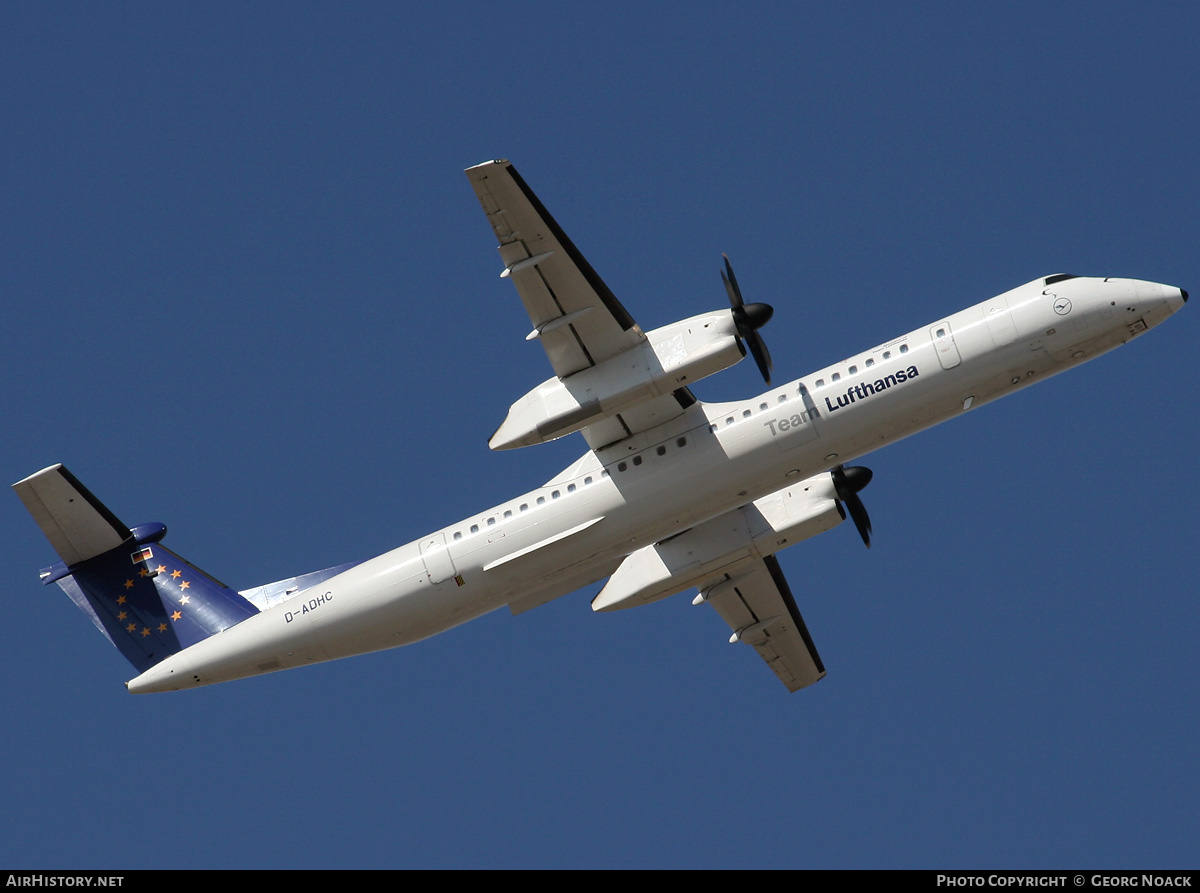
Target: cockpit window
point(1059, 277)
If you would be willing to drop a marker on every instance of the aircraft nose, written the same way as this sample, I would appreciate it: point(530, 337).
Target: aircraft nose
point(1176, 297)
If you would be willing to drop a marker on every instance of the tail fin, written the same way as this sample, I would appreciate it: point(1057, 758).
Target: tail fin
point(148, 602)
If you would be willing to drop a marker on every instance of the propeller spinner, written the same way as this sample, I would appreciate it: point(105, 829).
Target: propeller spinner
point(749, 318)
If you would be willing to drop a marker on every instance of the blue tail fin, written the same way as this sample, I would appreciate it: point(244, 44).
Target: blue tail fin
point(148, 602)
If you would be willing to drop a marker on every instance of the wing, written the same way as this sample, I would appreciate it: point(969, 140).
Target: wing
point(575, 316)
point(757, 603)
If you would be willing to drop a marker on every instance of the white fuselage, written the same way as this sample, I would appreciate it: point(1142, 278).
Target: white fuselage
point(577, 529)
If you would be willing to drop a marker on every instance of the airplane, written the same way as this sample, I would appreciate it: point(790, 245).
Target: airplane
point(673, 494)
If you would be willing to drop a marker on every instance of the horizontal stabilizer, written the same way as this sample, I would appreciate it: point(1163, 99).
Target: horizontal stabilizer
point(78, 525)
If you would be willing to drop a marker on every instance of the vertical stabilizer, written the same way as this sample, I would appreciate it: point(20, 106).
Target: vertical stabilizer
point(148, 601)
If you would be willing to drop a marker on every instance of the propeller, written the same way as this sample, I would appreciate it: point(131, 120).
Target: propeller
point(749, 318)
point(847, 482)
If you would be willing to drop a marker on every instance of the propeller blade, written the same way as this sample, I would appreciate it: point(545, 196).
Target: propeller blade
point(862, 521)
point(762, 356)
point(749, 318)
point(731, 286)
point(847, 482)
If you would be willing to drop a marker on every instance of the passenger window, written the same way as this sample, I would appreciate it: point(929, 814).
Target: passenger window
point(870, 363)
point(941, 333)
point(762, 407)
point(746, 414)
point(903, 348)
point(853, 369)
point(662, 450)
point(474, 528)
point(587, 481)
point(491, 521)
point(555, 494)
point(508, 513)
point(621, 466)
point(681, 442)
point(458, 534)
point(820, 383)
point(887, 354)
point(783, 398)
point(729, 421)
point(637, 460)
point(570, 488)
point(541, 500)
point(524, 507)
point(837, 376)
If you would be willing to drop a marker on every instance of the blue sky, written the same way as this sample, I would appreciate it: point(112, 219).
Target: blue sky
point(250, 294)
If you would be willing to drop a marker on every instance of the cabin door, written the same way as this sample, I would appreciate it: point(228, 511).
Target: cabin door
point(943, 343)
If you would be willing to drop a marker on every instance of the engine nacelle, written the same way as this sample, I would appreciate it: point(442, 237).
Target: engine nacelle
point(670, 358)
point(755, 530)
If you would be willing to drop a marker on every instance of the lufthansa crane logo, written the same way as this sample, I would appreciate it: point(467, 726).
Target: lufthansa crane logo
point(1062, 306)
